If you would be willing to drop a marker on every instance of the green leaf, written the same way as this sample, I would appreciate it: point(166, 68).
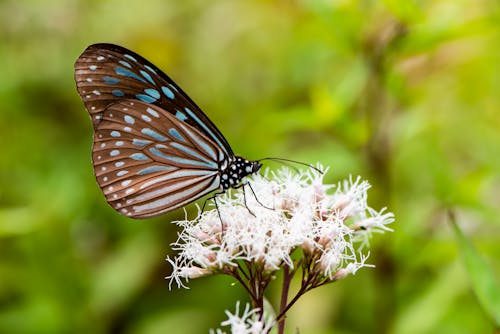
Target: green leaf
point(482, 277)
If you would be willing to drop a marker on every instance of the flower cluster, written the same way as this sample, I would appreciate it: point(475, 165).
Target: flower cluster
point(260, 229)
point(248, 322)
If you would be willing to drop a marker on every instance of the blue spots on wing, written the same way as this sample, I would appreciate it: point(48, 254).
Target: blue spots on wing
point(158, 153)
point(110, 80)
point(130, 57)
point(180, 160)
point(153, 92)
point(141, 142)
point(150, 69)
point(147, 76)
point(124, 63)
point(153, 134)
point(124, 72)
point(194, 154)
point(93, 67)
point(180, 115)
point(129, 119)
point(115, 134)
point(202, 124)
point(117, 92)
point(139, 156)
point(145, 98)
point(152, 169)
point(174, 133)
point(168, 93)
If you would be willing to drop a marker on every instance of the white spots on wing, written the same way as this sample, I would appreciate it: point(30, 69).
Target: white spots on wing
point(115, 196)
point(126, 183)
point(119, 163)
point(118, 205)
point(98, 116)
point(146, 118)
point(127, 129)
point(111, 115)
point(124, 211)
point(129, 119)
point(110, 188)
point(122, 172)
point(125, 109)
point(153, 112)
point(88, 96)
point(119, 143)
point(115, 134)
point(99, 157)
point(92, 108)
point(114, 153)
point(105, 179)
point(96, 92)
point(103, 145)
point(93, 67)
point(100, 135)
point(100, 58)
point(89, 80)
point(129, 191)
point(103, 168)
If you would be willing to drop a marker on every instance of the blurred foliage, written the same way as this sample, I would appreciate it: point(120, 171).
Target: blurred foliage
point(404, 93)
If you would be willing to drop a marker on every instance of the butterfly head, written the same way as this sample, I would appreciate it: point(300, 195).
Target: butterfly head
point(237, 170)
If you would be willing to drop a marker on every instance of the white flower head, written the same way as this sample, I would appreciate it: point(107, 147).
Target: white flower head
point(249, 322)
point(282, 212)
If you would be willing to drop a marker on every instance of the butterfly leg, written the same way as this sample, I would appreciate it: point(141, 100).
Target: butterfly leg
point(242, 185)
point(245, 199)
point(214, 198)
point(257, 199)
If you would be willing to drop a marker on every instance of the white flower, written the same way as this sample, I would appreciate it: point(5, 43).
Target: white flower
point(290, 211)
point(247, 323)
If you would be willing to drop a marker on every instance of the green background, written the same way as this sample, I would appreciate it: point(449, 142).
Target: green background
point(404, 93)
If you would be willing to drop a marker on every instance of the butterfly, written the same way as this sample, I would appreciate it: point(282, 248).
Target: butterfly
point(154, 149)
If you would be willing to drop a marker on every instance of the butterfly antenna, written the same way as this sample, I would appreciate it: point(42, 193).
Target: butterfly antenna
point(287, 161)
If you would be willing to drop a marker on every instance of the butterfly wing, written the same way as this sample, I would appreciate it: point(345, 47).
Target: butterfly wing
point(107, 73)
point(148, 162)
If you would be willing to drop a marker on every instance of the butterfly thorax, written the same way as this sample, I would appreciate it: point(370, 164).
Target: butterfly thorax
point(232, 175)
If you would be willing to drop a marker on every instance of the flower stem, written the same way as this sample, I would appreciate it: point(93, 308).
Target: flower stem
point(287, 279)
